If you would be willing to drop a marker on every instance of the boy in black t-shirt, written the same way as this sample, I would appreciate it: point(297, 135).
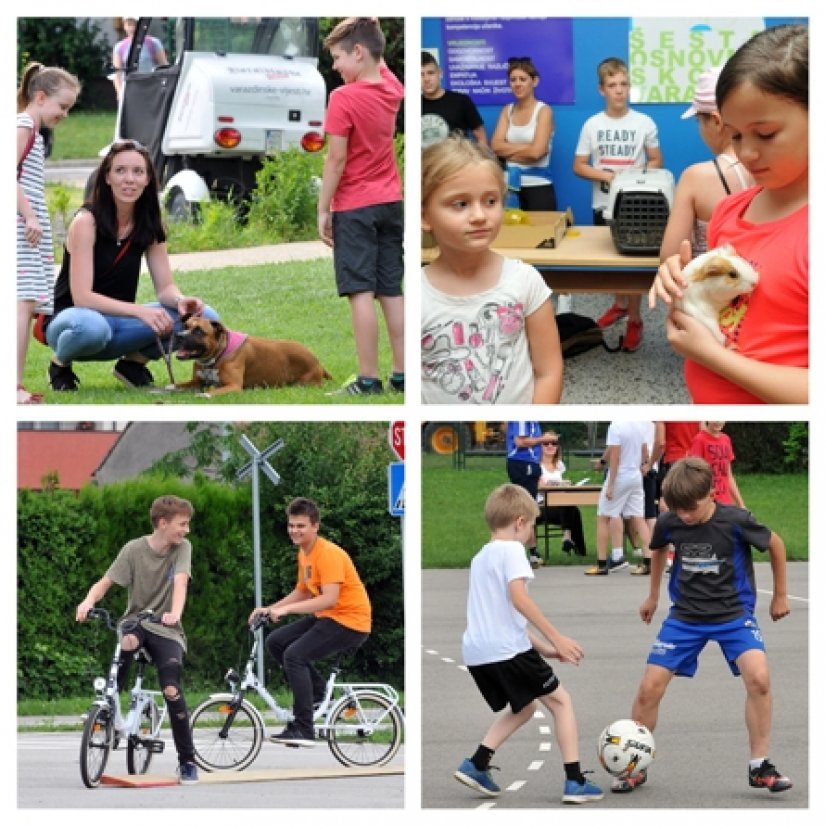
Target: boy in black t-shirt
point(443, 111)
point(713, 590)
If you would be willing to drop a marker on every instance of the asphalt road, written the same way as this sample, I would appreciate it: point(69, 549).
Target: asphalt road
point(701, 740)
point(48, 776)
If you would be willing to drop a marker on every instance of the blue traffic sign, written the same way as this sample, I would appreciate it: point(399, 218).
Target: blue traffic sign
point(395, 485)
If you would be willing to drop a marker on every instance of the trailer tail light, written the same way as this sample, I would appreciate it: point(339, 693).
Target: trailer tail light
point(312, 142)
point(227, 138)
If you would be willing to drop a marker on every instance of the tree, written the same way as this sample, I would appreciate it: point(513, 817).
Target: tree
point(78, 46)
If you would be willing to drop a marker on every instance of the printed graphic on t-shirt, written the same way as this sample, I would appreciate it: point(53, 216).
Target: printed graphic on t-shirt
point(433, 129)
point(617, 147)
point(700, 558)
point(473, 363)
point(730, 320)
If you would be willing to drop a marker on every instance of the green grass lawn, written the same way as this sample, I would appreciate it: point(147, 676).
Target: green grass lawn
point(295, 300)
point(453, 527)
point(82, 135)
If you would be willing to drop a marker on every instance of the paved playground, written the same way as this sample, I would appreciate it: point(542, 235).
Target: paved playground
point(701, 739)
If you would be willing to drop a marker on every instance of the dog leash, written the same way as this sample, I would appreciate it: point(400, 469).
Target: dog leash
point(167, 359)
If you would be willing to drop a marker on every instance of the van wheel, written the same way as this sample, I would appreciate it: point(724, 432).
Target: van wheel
point(179, 208)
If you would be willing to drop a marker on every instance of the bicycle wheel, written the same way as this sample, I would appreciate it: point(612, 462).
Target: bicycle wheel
point(95, 744)
point(138, 755)
point(365, 730)
point(227, 736)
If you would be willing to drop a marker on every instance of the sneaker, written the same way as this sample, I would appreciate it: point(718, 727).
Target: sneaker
point(618, 564)
point(767, 776)
point(133, 374)
point(188, 773)
point(62, 378)
point(596, 571)
point(577, 792)
point(615, 313)
point(535, 561)
point(396, 382)
point(568, 547)
point(468, 774)
point(294, 738)
point(632, 339)
point(355, 385)
point(625, 784)
point(640, 570)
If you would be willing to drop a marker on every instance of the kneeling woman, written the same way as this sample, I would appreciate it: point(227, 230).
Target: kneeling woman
point(96, 317)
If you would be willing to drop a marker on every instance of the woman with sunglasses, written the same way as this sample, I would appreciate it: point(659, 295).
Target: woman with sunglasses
point(96, 317)
point(568, 518)
point(523, 139)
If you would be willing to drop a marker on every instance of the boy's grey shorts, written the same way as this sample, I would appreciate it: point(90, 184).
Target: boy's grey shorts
point(369, 253)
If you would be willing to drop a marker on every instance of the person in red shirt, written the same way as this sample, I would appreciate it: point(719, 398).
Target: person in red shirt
point(360, 210)
point(716, 448)
point(762, 96)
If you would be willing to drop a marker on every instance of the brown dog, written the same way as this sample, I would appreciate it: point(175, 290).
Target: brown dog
point(231, 361)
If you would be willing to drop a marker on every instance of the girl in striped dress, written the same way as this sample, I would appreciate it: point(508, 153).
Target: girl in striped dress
point(44, 98)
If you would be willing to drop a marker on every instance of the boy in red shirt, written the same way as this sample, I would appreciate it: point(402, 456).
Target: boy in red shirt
point(360, 212)
point(717, 449)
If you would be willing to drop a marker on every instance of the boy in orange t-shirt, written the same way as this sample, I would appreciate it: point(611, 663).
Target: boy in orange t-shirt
point(335, 616)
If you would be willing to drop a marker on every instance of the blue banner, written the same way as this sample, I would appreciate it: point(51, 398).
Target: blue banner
point(476, 51)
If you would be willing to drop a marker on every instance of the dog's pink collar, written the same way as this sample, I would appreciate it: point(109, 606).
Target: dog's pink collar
point(234, 340)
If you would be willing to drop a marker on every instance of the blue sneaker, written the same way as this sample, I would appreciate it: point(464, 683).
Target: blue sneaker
point(576, 794)
point(469, 775)
point(188, 773)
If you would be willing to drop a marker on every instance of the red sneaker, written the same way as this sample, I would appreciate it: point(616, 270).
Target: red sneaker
point(625, 784)
point(615, 313)
point(767, 776)
point(633, 336)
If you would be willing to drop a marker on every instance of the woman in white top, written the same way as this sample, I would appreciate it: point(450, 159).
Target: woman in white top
point(568, 518)
point(523, 139)
point(703, 185)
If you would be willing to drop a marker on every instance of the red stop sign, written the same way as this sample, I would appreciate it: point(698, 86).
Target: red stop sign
point(396, 439)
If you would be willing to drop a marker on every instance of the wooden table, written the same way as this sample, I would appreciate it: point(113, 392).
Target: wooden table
point(586, 260)
point(563, 495)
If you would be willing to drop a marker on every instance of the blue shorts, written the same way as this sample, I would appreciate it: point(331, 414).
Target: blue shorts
point(678, 645)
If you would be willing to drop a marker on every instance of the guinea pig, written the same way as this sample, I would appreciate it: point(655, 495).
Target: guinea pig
point(714, 280)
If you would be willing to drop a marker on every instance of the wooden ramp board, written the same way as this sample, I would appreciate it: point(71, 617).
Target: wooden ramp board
point(225, 777)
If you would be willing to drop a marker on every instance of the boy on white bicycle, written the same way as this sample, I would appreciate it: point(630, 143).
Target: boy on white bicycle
point(156, 569)
point(335, 615)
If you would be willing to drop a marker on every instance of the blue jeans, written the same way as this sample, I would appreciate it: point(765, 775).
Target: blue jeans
point(81, 334)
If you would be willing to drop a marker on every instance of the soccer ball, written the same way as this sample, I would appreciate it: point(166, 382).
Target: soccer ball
point(625, 748)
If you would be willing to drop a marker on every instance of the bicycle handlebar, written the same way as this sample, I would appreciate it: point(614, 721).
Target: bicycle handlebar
point(258, 622)
point(104, 615)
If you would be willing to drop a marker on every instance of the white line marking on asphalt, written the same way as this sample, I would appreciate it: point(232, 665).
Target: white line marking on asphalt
point(448, 660)
point(486, 806)
point(545, 746)
point(545, 730)
point(517, 785)
point(535, 765)
point(792, 598)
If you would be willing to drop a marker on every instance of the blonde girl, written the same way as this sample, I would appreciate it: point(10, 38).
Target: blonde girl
point(44, 98)
point(488, 331)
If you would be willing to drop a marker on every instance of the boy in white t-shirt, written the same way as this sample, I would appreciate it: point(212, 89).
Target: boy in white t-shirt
point(611, 141)
point(622, 496)
point(504, 656)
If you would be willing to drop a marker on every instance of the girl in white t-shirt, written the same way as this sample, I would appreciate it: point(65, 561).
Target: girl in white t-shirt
point(488, 330)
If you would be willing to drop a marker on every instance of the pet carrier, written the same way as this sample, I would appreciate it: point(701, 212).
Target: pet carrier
point(638, 209)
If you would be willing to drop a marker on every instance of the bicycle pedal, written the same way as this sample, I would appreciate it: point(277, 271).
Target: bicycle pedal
point(152, 745)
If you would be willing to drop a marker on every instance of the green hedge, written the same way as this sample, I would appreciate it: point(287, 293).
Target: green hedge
point(67, 541)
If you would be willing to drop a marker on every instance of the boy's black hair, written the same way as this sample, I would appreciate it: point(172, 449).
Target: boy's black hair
point(304, 507)
point(428, 59)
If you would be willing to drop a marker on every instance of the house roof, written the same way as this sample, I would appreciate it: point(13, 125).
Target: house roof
point(73, 455)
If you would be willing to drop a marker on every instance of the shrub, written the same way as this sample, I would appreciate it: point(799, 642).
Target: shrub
point(77, 45)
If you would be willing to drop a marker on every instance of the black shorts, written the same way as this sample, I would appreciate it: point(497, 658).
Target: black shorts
point(517, 681)
point(650, 485)
point(368, 251)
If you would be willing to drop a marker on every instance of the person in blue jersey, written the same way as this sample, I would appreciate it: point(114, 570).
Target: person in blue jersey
point(524, 440)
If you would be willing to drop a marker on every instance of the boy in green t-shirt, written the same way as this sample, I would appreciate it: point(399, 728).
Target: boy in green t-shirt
point(155, 569)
